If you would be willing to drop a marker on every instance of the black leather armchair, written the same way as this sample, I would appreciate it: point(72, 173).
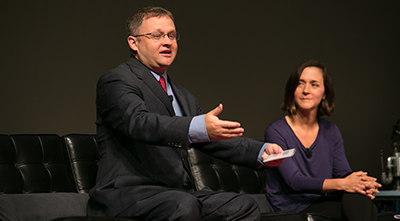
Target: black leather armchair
point(221, 176)
point(34, 178)
point(36, 181)
point(83, 159)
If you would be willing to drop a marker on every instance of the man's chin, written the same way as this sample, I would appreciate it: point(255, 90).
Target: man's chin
point(161, 68)
point(165, 64)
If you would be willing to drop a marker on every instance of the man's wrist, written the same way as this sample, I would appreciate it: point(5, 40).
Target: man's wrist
point(197, 130)
point(259, 158)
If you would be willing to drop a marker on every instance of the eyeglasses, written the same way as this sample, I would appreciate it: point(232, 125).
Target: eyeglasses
point(157, 36)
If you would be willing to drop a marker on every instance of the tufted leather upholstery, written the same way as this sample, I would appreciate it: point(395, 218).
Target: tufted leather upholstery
point(46, 177)
point(33, 164)
point(83, 158)
point(221, 176)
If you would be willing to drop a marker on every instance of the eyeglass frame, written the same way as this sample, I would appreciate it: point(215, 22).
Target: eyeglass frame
point(150, 36)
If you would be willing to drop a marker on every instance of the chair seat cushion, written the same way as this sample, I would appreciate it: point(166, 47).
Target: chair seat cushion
point(42, 206)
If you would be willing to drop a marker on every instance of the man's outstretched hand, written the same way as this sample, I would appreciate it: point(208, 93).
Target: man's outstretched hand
point(221, 129)
point(271, 149)
point(224, 130)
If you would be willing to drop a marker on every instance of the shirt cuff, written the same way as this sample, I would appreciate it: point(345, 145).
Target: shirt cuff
point(197, 130)
point(259, 159)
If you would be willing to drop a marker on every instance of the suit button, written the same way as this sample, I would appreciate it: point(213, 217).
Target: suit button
point(185, 184)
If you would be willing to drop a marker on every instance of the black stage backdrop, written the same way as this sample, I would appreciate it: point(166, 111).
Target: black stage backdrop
point(239, 54)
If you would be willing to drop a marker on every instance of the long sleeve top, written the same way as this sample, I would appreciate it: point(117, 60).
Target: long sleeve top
point(298, 181)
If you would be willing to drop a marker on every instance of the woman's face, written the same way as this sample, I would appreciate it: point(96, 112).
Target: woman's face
point(310, 90)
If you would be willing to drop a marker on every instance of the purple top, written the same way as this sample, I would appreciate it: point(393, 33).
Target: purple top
point(297, 182)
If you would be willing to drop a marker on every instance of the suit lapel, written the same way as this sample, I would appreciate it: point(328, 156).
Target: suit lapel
point(144, 73)
point(155, 86)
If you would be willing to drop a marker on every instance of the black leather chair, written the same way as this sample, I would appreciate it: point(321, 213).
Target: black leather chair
point(221, 176)
point(82, 155)
point(33, 164)
point(34, 181)
point(83, 158)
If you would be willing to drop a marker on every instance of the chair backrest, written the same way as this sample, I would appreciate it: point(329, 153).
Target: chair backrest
point(33, 163)
point(208, 171)
point(83, 157)
point(221, 176)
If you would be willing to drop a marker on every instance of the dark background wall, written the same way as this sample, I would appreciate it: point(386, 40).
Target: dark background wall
point(240, 54)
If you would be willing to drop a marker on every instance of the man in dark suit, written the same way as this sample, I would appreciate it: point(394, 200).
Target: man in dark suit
point(144, 132)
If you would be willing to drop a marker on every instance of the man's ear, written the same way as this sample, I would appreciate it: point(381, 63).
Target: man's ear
point(132, 43)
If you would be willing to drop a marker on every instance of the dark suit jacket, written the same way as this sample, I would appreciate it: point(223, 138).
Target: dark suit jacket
point(143, 145)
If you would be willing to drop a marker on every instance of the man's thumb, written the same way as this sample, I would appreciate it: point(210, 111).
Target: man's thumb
point(217, 110)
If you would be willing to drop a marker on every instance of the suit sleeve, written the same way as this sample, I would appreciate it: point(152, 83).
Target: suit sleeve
point(240, 151)
point(123, 105)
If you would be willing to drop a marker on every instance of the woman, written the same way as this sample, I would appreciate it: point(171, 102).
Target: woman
point(319, 166)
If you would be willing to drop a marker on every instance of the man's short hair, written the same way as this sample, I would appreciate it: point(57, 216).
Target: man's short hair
point(136, 19)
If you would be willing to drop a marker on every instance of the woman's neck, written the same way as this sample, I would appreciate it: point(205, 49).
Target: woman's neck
point(303, 120)
point(305, 127)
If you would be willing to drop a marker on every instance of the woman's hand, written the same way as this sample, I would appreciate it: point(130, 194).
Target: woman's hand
point(360, 182)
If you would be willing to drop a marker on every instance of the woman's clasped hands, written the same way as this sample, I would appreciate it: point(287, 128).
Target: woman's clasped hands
point(360, 182)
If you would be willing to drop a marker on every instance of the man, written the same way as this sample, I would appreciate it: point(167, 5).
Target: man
point(144, 132)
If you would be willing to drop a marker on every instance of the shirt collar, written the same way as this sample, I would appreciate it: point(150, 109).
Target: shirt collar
point(157, 76)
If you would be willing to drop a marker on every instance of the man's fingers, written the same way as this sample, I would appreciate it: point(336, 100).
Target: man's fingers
point(274, 163)
point(226, 134)
point(277, 149)
point(273, 148)
point(236, 130)
point(229, 124)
